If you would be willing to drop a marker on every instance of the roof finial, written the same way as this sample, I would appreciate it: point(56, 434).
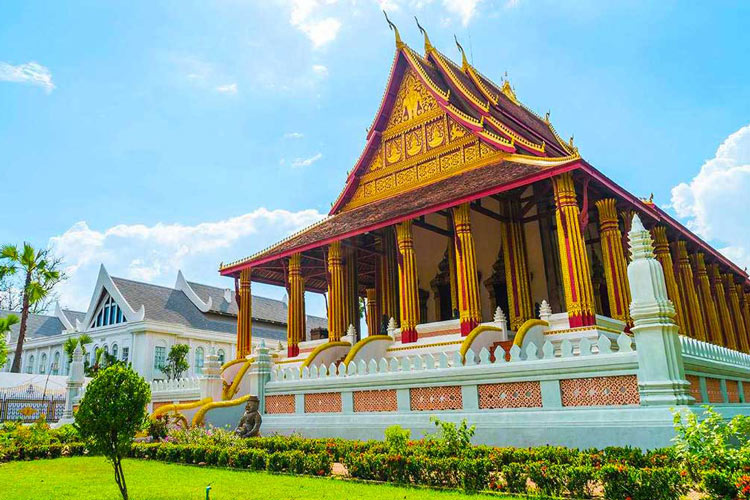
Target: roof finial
point(427, 45)
point(399, 43)
point(546, 117)
point(464, 61)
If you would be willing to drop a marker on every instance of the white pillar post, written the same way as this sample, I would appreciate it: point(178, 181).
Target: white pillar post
point(661, 374)
point(74, 384)
point(260, 372)
point(211, 383)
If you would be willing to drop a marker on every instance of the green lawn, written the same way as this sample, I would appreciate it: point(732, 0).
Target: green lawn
point(92, 478)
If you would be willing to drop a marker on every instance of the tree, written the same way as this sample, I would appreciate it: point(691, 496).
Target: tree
point(39, 273)
point(112, 410)
point(176, 361)
point(70, 345)
point(5, 324)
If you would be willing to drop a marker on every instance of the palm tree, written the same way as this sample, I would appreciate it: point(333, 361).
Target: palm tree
point(38, 274)
point(71, 344)
point(5, 324)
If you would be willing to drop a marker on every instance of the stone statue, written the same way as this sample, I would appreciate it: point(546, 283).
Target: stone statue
point(249, 425)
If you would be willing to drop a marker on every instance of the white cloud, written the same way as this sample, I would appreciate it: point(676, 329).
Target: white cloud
point(228, 88)
point(155, 253)
point(306, 162)
point(320, 70)
point(294, 135)
point(465, 9)
point(31, 73)
point(713, 202)
point(306, 16)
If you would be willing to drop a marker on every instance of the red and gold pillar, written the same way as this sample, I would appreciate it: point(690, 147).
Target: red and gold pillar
point(296, 311)
point(579, 297)
point(717, 287)
point(373, 314)
point(466, 270)
point(661, 251)
point(736, 313)
point(712, 331)
point(388, 276)
point(688, 296)
point(615, 264)
point(407, 282)
point(336, 298)
point(245, 316)
point(516, 266)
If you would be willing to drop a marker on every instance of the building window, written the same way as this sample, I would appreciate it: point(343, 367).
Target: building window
point(30, 364)
point(160, 357)
point(114, 350)
point(43, 363)
point(198, 360)
point(93, 355)
point(221, 356)
point(109, 313)
point(56, 364)
point(125, 353)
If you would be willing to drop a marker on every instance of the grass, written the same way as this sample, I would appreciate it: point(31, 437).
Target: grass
point(92, 478)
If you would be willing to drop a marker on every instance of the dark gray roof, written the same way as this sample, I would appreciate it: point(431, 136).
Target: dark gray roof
point(74, 315)
point(264, 309)
point(171, 306)
point(38, 325)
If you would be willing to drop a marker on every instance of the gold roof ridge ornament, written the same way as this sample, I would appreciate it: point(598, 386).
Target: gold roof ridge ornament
point(427, 45)
point(464, 61)
point(508, 90)
point(399, 43)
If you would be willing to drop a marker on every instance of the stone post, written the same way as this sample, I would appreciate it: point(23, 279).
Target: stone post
point(74, 384)
point(260, 372)
point(661, 374)
point(210, 382)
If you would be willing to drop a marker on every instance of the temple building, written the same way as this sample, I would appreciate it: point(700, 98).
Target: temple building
point(138, 322)
point(466, 210)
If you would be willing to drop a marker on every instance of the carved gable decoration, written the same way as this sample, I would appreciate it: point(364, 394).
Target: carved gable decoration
point(421, 144)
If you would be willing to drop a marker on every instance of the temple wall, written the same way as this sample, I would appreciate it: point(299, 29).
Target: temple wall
point(486, 233)
point(429, 248)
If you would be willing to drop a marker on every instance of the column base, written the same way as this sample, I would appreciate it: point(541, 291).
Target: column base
point(408, 336)
point(292, 351)
point(467, 326)
point(584, 319)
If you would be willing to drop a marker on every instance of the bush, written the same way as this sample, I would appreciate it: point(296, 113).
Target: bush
point(515, 476)
point(396, 438)
point(622, 482)
point(548, 478)
point(720, 485)
point(580, 480)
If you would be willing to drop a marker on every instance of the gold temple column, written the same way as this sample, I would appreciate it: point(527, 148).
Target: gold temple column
point(336, 298)
point(708, 307)
point(296, 311)
point(373, 314)
point(688, 296)
point(245, 316)
point(579, 297)
point(516, 266)
point(466, 270)
point(407, 282)
point(736, 313)
point(615, 264)
point(717, 287)
point(627, 221)
point(661, 251)
point(388, 276)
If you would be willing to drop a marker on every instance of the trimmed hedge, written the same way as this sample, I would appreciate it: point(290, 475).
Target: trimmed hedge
point(291, 462)
point(34, 452)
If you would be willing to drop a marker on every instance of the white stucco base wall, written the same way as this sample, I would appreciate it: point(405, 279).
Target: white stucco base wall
point(577, 428)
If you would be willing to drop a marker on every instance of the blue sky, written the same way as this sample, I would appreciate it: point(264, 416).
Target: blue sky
point(152, 136)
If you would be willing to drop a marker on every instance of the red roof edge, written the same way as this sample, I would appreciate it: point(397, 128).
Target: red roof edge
point(541, 175)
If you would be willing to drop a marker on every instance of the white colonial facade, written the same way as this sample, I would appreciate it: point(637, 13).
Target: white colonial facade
point(139, 322)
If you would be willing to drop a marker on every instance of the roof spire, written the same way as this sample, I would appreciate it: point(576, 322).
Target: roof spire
point(508, 90)
point(464, 61)
point(427, 45)
point(399, 43)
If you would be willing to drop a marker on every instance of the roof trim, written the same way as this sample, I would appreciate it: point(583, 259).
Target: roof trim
point(183, 285)
point(60, 314)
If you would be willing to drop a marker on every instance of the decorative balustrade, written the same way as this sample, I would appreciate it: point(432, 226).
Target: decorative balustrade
point(428, 361)
point(180, 388)
point(700, 349)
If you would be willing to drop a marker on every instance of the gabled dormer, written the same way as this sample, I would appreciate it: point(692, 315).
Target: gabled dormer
point(108, 306)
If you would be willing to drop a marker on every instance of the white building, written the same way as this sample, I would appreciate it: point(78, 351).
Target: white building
point(139, 322)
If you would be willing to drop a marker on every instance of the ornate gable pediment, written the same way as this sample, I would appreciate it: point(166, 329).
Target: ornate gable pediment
point(420, 144)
